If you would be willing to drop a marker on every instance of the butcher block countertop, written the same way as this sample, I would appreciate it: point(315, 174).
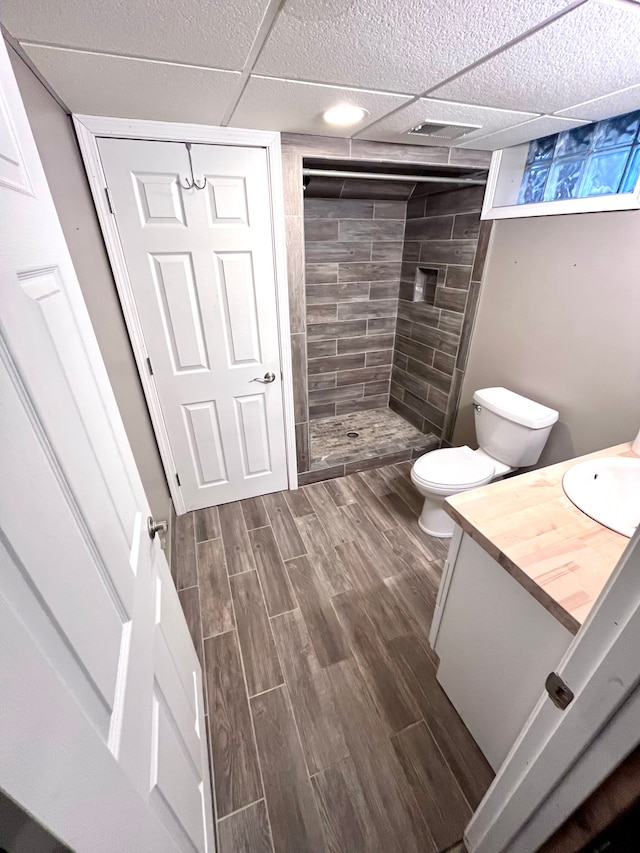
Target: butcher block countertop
point(528, 524)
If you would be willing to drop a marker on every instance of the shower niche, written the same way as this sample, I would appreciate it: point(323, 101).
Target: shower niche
point(389, 264)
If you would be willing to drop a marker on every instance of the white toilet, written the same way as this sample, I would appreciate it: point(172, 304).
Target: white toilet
point(511, 431)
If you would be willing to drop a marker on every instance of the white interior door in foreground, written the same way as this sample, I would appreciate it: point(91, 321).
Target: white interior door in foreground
point(201, 272)
point(101, 712)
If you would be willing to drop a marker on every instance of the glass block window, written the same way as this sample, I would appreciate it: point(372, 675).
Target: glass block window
point(602, 158)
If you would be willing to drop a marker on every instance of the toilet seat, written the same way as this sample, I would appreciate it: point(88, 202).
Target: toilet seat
point(452, 469)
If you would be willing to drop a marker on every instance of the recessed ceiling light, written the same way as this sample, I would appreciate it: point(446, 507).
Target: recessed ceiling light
point(344, 114)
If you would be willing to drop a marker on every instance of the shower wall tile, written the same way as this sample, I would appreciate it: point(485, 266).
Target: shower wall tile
point(353, 251)
point(445, 238)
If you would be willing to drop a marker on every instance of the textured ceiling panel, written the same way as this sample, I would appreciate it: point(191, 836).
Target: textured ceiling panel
point(534, 129)
point(591, 51)
point(404, 46)
point(428, 109)
point(134, 88)
point(268, 104)
point(610, 105)
point(214, 33)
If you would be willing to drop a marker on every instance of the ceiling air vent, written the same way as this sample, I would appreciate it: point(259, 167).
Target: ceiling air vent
point(437, 130)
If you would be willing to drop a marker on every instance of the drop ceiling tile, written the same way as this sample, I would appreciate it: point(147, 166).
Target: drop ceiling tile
point(213, 33)
point(406, 46)
point(589, 52)
point(288, 106)
point(534, 129)
point(394, 128)
point(615, 104)
point(136, 88)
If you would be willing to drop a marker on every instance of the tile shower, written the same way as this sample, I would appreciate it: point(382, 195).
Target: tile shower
point(383, 289)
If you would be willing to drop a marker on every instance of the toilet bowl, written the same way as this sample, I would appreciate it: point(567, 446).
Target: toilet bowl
point(512, 431)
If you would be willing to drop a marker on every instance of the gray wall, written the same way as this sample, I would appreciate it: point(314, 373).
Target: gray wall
point(559, 321)
point(63, 167)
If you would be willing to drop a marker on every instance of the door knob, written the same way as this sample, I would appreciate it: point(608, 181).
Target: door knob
point(154, 527)
point(266, 379)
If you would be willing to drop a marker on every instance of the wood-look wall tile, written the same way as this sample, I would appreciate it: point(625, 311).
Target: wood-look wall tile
point(467, 327)
point(443, 362)
point(293, 814)
point(466, 226)
point(434, 228)
point(342, 292)
point(384, 289)
point(459, 201)
point(429, 412)
point(173, 562)
point(321, 273)
point(323, 313)
point(320, 349)
point(320, 474)
point(407, 413)
point(237, 549)
point(356, 188)
point(409, 382)
point(261, 664)
point(319, 331)
point(380, 357)
point(233, 749)
point(386, 251)
point(324, 629)
point(284, 527)
point(329, 364)
point(436, 338)
point(458, 277)
point(319, 230)
point(416, 206)
point(294, 237)
point(254, 513)
point(190, 603)
point(333, 395)
point(274, 580)
point(454, 741)
point(447, 252)
point(481, 252)
point(451, 321)
point(373, 308)
point(362, 344)
point(318, 381)
point(363, 149)
point(367, 271)
point(337, 252)
point(414, 349)
point(302, 447)
point(370, 229)
point(362, 405)
point(299, 367)
point(207, 523)
point(246, 830)
point(390, 210)
point(322, 410)
point(364, 374)
point(311, 700)
point(452, 405)
point(450, 298)
point(432, 782)
point(338, 209)
point(470, 157)
point(292, 183)
point(215, 597)
point(308, 144)
point(185, 548)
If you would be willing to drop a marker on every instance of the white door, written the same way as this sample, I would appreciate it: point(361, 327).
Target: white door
point(202, 275)
point(101, 711)
point(562, 755)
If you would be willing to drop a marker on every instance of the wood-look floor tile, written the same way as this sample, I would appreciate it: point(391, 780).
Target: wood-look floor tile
point(207, 524)
point(323, 555)
point(381, 673)
point(387, 611)
point(468, 764)
point(326, 635)
point(412, 550)
point(311, 700)
point(416, 590)
point(341, 491)
point(386, 561)
point(293, 814)
point(392, 809)
point(348, 826)
point(273, 575)
point(374, 480)
point(335, 523)
point(400, 483)
point(234, 755)
point(359, 565)
point(284, 527)
point(236, 541)
point(255, 515)
point(406, 518)
point(441, 801)
point(185, 550)
point(261, 663)
point(190, 603)
point(246, 831)
point(215, 597)
point(298, 503)
point(373, 506)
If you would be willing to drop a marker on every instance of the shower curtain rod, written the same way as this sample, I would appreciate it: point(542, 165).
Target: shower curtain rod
point(377, 176)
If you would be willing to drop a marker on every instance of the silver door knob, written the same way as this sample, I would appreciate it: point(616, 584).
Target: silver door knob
point(266, 379)
point(154, 527)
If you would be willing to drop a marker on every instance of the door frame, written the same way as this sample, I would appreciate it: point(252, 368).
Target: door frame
point(88, 130)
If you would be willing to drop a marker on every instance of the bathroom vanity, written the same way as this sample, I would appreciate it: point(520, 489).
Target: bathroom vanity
point(524, 568)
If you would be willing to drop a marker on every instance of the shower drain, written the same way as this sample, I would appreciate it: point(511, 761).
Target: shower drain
point(353, 434)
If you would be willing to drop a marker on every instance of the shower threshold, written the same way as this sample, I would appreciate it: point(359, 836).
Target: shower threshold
point(372, 438)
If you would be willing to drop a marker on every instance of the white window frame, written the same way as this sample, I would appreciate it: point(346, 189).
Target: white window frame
point(507, 168)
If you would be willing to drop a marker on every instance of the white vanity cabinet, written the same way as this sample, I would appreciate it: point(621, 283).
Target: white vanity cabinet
point(496, 645)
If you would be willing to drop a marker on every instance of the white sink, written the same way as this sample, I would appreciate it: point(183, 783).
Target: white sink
point(607, 490)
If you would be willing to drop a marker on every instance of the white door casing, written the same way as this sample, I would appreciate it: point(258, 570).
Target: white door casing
point(201, 267)
point(101, 708)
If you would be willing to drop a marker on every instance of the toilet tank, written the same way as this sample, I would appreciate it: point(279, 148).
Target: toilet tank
point(511, 428)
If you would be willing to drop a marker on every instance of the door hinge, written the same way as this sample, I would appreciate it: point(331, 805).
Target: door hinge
point(108, 195)
point(177, 479)
point(150, 369)
point(559, 691)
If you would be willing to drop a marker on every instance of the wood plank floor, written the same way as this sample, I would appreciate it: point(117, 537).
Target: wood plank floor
point(310, 612)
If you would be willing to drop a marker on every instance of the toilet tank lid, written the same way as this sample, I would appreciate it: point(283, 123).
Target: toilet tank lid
point(516, 408)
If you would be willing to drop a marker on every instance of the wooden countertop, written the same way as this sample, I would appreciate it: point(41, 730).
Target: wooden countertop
point(528, 524)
